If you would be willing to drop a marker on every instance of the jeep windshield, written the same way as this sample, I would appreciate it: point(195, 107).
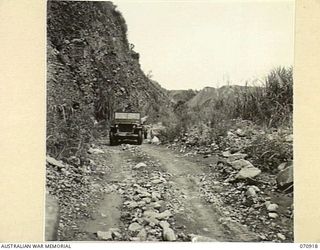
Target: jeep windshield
point(127, 117)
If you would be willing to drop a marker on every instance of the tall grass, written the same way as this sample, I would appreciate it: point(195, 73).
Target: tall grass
point(271, 104)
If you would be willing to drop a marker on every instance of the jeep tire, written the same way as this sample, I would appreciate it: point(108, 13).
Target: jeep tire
point(113, 139)
point(140, 138)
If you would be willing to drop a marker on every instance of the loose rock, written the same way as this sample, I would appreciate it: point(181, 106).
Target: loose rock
point(248, 172)
point(155, 196)
point(239, 164)
point(281, 236)
point(140, 165)
point(164, 224)
point(168, 234)
point(142, 235)
point(199, 238)
point(95, 151)
point(104, 235)
point(155, 140)
point(54, 162)
point(272, 207)
point(285, 178)
point(164, 215)
point(135, 227)
point(273, 215)
point(251, 192)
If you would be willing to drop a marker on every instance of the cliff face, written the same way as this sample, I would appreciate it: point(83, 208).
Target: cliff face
point(92, 72)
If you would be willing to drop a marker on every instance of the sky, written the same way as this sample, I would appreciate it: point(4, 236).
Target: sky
point(194, 44)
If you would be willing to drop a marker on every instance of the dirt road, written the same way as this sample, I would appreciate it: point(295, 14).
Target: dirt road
point(199, 217)
point(154, 194)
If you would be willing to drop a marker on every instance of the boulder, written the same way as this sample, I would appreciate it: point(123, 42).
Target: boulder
point(241, 163)
point(151, 220)
point(132, 204)
point(168, 234)
point(226, 154)
point(248, 172)
point(240, 132)
point(199, 238)
point(104, 235)
point(267, 203)
point(142, 235)
point(116, 233)
point(156, 205)
point(95, 151)
point(134, 239)
point(141, 203)
point(146, 200)
point(135, 227)
point(155, 140)
point(150, 214)
point(144, 194)
point(160, 216)
point(273, 215)
point(164, 224)
point(230, 134)
point(285, 178)
point(164, 215)
point(140, 165)
point(251, 192)
point(54, 162)
point(281, 236)
point(272, 207)
point(155, 196)
point(156, 181)
point(289, 138)
point(255, 188)
point(126, 146)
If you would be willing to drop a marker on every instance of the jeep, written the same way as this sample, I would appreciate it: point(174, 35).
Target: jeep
point(126, 126)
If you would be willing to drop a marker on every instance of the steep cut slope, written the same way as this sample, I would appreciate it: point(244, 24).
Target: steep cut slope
point(92, 71)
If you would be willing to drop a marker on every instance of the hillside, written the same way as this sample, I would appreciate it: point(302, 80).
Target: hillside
point(181, 95)
point(209, 95)
point(92, 71)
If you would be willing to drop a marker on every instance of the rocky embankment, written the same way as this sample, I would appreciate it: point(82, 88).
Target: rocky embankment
point(253, 175)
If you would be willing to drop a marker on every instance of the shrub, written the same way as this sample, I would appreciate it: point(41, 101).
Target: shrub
point(268, 153)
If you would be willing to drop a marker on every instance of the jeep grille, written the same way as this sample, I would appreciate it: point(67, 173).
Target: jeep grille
point(125, 127)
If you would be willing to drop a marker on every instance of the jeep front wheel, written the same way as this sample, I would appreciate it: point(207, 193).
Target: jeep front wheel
point(140, 137)
point(113, 139)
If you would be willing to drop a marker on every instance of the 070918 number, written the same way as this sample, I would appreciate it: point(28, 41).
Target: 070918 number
point(308, 245)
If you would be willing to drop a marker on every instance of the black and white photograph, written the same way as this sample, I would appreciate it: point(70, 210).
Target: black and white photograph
point(169, 121)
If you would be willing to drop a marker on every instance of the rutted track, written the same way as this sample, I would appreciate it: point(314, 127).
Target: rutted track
point(158, 200)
